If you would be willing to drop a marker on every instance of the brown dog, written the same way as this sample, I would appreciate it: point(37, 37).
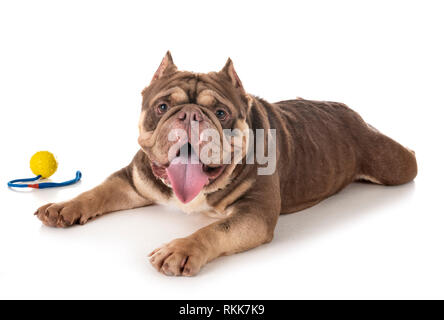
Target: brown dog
point(320, 148)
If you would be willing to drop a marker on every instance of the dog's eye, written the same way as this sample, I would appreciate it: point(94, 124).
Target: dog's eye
point(162, 108)
point(221, 114)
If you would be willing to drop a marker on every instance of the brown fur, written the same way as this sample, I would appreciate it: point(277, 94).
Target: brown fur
point(321, 148)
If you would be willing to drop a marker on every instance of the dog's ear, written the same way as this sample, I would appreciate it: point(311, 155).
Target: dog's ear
point(228, 71)
point(166, 67)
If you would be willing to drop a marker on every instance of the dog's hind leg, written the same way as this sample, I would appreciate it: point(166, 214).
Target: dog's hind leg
point(385, 161)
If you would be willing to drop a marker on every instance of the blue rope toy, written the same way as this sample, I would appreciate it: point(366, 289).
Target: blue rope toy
point(42, 185)
point(43, 164)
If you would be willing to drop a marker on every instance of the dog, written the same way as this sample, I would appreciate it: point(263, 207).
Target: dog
point(318, 147)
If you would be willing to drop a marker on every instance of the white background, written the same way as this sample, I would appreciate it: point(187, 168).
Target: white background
point(71, 74)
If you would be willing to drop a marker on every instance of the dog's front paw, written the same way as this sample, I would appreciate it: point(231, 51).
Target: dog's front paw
point(61, 215)
point(180, 257)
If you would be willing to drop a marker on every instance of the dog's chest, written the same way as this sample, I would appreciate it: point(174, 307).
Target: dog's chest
point(198, 205)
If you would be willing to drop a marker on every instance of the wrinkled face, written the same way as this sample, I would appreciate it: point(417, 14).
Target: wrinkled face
point(188, 126)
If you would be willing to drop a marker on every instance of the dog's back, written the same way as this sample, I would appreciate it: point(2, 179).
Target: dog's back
point(324, 146)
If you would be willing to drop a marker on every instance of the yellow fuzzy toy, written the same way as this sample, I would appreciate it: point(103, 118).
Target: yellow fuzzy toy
point(43, 163)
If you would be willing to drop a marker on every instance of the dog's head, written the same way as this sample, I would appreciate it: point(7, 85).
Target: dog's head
point(190, 127)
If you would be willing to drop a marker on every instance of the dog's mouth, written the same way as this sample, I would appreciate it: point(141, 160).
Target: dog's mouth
point(186, 174)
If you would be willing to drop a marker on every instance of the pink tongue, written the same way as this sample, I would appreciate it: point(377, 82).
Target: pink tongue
point(187, 179)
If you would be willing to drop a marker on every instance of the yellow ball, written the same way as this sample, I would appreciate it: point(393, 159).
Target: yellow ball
point(43, 163)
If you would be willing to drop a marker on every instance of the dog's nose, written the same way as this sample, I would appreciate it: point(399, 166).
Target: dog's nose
point(190, 115)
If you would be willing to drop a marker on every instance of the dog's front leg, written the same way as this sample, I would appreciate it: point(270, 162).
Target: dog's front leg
point(251, 223)
point(115, 193)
